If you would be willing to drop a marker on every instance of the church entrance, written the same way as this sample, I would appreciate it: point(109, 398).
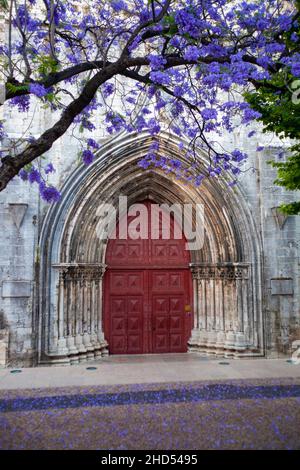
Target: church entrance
point(147, 294)
point(147, 291)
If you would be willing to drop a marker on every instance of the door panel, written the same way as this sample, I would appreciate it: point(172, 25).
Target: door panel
point(124, 312)
point(160, 323)
point(169, 320)
point(135, 325)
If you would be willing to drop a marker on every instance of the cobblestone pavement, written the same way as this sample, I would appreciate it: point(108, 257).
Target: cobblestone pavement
point(231, 414)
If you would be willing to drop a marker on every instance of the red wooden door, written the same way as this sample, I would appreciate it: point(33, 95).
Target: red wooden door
point(147, 286)
point(169, 293)
point(124, 291)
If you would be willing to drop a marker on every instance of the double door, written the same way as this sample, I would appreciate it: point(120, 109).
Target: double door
point(147, 311)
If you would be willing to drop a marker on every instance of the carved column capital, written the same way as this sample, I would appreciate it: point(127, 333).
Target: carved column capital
point(80, 271)
point(225, 271)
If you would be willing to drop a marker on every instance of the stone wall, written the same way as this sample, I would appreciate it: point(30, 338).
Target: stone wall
point(22, 215)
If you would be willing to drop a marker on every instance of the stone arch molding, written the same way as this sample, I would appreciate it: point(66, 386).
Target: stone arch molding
point(226, 271)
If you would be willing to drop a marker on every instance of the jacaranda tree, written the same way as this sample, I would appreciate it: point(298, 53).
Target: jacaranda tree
point(191, 60)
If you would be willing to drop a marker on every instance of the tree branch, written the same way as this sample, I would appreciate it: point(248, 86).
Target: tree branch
point(12, 165)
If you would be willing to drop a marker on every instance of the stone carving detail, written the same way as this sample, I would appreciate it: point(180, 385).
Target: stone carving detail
point(279, 217)
point(78, 336)
point(17, 212)
point(224, 319)
point(80, 271)
point(217, 271)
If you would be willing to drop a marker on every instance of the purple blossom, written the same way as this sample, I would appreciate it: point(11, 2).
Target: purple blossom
point(264, 61)
point(49, 169)
point(49, 193)
point(176, 41)
point(87, 124)
point(251, 134)
point(107, 89)
point(152, 89)
point(199, 179)
point(144, 163)
point(274, 48)
point(25, 20)
point(154, 147)
point(34, 176)
point(38, 90)
point(135, 43)
point(295, 69)
point(294, 37)
point(2, 133)
point(262, 24)
point(118, 5)
point(140, 123)
point(189, 21)
point(116, 121)
point(156, 62)
point(175, 163)
point(23, 174)
point(87, 157)
point(192, 53)
point(92, 143)
point(209, 114)
point(160, 104)
point(239, 156)
point(178, 91)
point(22, 103)
point(250, 115)
point(154, 126)
point(161, 78)
point(177, 109)
point(131, 100)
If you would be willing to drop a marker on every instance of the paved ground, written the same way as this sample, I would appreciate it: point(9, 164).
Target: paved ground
point(198, 404)
point(147, 369)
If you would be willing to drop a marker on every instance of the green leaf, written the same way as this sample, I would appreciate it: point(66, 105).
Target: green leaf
point(46, 65)
point(4, 4)
point(14, 88)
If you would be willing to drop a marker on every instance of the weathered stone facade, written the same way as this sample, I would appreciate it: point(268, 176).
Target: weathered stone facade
point(245, 278)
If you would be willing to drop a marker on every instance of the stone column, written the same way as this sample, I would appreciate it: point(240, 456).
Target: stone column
point(223, 310)
point(100, 333)
point(86, 316)
point(62, 349)
point(195, 336)
point(71, 318)
point(79, 327)
point(79, 312)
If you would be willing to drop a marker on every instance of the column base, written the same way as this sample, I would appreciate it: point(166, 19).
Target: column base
point(221, 344)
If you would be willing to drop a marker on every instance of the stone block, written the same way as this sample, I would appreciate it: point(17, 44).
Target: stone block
point(282, 286)
point(16, 289)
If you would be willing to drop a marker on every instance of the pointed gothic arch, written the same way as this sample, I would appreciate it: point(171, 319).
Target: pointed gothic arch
point(226, 271)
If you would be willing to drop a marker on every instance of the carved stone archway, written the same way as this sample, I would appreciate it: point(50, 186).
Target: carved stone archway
point(226, 271)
